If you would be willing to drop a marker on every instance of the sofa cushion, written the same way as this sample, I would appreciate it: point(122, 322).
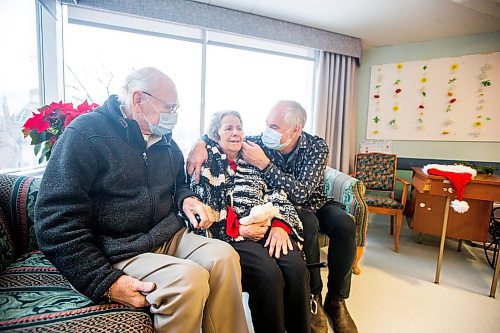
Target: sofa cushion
point(33, 294)
point(384, 202)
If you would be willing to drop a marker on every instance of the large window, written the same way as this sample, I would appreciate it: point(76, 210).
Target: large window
point(86, 54)
point(19, 83)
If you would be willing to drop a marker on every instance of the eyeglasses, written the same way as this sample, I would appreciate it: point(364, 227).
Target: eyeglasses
point(169, 107)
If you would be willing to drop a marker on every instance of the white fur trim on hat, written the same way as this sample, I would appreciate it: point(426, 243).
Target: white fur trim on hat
point(459, 206)
point(458, 168)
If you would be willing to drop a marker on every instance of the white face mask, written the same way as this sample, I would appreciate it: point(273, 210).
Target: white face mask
point(166, 123)
point(272, 139)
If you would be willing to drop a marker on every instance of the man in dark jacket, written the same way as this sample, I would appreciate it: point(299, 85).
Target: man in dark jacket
point(108, 215)
point(294, 161)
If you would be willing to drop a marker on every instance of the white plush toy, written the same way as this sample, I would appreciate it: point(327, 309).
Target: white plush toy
point(259, 213)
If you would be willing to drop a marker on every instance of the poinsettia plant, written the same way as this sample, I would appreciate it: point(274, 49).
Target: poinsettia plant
point(47, 124)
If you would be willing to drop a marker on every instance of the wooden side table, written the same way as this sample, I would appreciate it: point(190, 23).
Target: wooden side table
point(485, 189)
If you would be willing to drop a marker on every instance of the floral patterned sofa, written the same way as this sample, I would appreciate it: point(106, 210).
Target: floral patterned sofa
point(350, 192)
point(34, 296)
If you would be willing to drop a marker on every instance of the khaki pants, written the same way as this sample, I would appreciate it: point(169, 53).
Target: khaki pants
point(199, 287)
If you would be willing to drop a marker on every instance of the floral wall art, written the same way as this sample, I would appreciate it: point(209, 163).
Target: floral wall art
point(446, 99)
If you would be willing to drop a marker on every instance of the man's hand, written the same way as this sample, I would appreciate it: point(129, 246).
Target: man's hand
point(277, 241)
point(197, 156)
point(192, 206)
point(129, 291)
point(253, 154)
point(254, 231)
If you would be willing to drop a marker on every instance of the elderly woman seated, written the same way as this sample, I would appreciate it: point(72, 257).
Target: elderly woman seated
point(268, 240)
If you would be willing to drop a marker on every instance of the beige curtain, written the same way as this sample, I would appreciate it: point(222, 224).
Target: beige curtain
point(335, 114)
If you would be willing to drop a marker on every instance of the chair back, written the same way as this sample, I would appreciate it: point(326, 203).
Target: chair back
point(376, 170)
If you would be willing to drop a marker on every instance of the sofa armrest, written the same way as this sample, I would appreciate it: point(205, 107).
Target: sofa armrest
point(17, 204)
point(7, 247)
point(350, 192)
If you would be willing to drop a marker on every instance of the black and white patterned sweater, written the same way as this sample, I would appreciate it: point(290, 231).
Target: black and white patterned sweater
point(242, 189)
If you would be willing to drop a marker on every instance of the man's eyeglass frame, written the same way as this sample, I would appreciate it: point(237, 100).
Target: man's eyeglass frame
point(170, 107)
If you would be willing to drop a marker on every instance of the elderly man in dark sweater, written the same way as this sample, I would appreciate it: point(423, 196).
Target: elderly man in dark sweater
point(108, 215)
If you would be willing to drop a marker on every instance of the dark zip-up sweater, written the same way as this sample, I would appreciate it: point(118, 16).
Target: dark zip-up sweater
point(105, 197)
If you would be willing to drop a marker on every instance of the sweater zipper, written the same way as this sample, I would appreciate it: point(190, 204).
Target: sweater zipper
point(151, 201)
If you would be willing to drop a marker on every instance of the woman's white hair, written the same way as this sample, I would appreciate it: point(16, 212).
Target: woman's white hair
point(144, 79)
point(216, 120)
point(294, 114)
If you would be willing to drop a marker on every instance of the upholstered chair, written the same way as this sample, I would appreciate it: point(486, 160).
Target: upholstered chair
point(378, 173)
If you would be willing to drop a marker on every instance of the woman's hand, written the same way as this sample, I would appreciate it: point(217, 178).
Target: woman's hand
point(278, 240)
point(254, 231)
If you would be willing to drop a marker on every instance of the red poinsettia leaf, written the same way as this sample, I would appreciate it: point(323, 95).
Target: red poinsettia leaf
point(70, 116)
point(66, 108)
point(27, 124)
point(453, 100)
point(36, 122)
point(83, 107)
point(86, 107)
point(53, 106)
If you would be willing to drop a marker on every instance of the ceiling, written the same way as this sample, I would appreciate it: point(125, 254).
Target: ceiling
point(380, 22)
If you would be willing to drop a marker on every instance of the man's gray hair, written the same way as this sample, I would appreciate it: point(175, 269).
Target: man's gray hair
point(216, 120)
point(144, 79)
point(294, 113)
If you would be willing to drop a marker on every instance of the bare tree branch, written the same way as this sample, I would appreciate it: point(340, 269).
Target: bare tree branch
point(80, 83)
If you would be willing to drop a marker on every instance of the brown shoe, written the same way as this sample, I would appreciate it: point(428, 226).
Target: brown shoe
point(336, 309)
point(319, 322)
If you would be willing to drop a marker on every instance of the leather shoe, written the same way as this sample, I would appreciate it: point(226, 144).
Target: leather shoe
point(336, 309)
point(319, 322)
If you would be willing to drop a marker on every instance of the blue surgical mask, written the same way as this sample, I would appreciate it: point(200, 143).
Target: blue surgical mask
point(166, 123)
point(272, 139)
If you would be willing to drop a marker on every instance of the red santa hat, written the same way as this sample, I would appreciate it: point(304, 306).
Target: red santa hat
point(459, 175)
